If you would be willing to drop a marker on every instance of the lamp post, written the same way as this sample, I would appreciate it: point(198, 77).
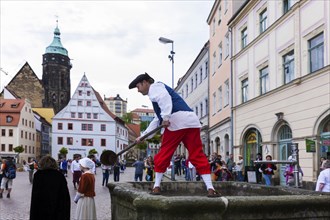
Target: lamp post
point(171, 57)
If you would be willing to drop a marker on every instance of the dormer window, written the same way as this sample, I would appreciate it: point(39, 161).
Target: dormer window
point(14, 105)
point(9, 119)
point(2, 104)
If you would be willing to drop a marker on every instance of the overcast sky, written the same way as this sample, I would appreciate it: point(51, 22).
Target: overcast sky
point(110, 41)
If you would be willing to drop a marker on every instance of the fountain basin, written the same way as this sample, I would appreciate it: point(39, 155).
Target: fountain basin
point(188, 201)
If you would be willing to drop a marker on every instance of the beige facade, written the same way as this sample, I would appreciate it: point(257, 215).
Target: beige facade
point(281, 78)
point(219, 79)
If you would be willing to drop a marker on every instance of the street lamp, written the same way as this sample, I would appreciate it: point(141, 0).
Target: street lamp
point(171, 56)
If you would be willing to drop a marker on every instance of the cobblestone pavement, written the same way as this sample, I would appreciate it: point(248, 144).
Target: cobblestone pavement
point(18, 206)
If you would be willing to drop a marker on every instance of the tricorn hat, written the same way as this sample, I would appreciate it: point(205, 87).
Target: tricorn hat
point(140, 78)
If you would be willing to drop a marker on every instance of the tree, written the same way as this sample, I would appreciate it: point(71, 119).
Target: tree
point(92, 151)
point(18, 150)
point(63, 151)
point(128, 117)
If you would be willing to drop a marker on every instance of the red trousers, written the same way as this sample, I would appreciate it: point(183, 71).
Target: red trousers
point(190, 137)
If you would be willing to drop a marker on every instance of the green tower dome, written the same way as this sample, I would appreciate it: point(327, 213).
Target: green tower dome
point(56, 46)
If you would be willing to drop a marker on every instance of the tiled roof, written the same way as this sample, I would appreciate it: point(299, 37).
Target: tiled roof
point(47, 113)
point(12, 108)
point(135, 128)
point(144, 110)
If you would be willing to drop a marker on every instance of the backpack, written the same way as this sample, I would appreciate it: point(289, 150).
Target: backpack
point(10, 171)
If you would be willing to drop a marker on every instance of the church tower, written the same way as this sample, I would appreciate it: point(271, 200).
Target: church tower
point(56, 68)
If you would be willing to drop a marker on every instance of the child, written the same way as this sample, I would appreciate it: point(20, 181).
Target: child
point(86, 191)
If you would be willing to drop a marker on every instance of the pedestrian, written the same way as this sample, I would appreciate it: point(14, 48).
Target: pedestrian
point(31, 165)
point(116, 171)
point(9, 173)
point(76, 171)
point(149, 165)
point(257, 168)
point(139, 167)
point(268, 170)
point(105, 173)
point(181, 125)
point(64, 167)
point(86, 191)
point(239, 168)
point(50, 198)
point(323, 181)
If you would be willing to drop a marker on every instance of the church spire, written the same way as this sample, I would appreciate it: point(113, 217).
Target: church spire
point(56, 46)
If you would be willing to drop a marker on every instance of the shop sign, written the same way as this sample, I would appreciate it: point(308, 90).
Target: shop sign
point(310, 146)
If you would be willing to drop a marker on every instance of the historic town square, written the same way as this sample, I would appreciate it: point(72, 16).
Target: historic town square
point(165, 110)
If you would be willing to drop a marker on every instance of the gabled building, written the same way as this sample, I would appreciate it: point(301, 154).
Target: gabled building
point(17, 128)
point(281, 82)
point(43, 129)
point(220, 118)
point(86, 123)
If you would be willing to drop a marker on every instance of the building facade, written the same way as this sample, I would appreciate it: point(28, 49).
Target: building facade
point(281, 82)
point(220, 123)
point(116, 105)
point(86, 123)
point(17, 128)
point(193, 88)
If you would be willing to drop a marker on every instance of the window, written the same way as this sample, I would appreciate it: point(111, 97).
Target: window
point(80, 115)
point(88, 115)
point(11, 132)
point(88, 93)
point(187, 91)
point(90, 127)
point(196, 110)
point(201, 106)
point(86, 142)
point(192, 84)
point(288, 67)
point(220, 54)
point(69, 140)
point(196, 80)
point(214, 62)
point(227, 45)
point(263, 20)
point(287, 4)
point(245, 87)
point(206, 107)
point(214, 103)
point(226, 101)
point(80, 92)
point(59, 126)
point(219, 21)
point(3, 147)
point(11, 148)
point(103, 127)
point(244, 37)
point(73, 114)
point(22, 134)
point(316, 52)
point(95, 116)
point(3, 132)
point(79, 103)
point(89, 103)
point(200, 74)
point(87, 127)
point(70, 126)
point(206, 69)
point(26, 135)
point(9, 119)
point(220, 98)
point(213, 27)
point(103, 142)
point(59, 140)
point(264, 80)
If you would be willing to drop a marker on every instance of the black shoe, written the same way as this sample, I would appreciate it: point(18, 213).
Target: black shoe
point(8, 195)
